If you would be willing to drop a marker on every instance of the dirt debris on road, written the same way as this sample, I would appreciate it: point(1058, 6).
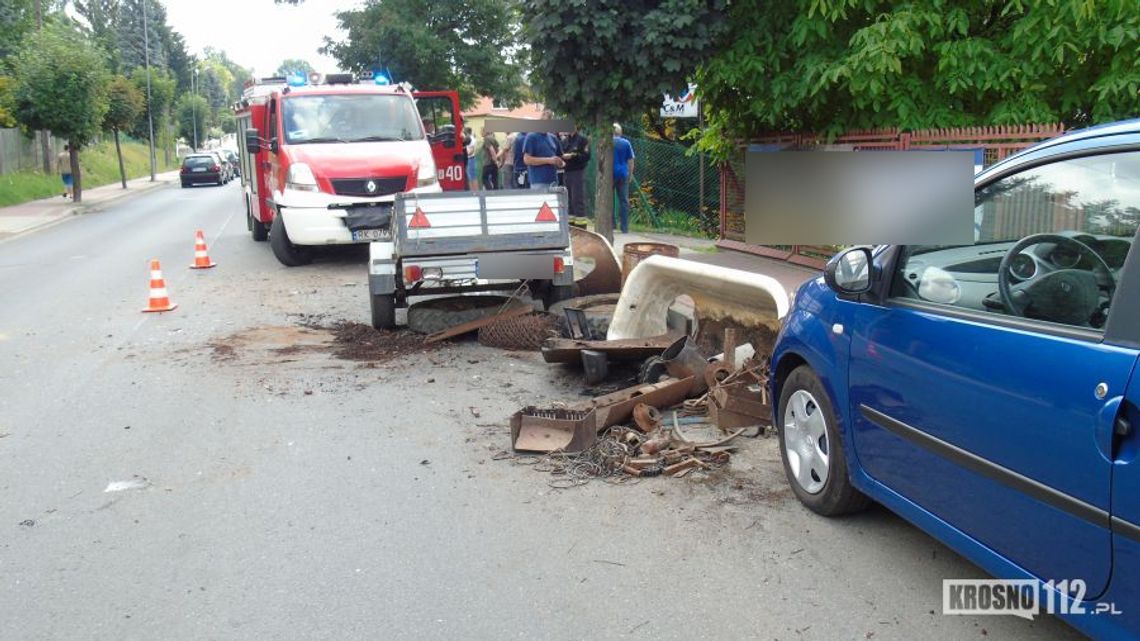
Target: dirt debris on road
point(360, 342)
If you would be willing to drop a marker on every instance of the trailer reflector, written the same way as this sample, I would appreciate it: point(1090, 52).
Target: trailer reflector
point(420, 220)
point(545, 215)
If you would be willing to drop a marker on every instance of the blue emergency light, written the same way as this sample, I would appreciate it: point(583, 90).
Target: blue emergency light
point(296, 79)
point(379, 78)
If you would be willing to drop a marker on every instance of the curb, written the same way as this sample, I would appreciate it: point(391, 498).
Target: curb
point(82, 209)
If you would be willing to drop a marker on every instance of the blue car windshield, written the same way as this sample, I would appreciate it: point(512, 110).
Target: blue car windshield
point(350, 118)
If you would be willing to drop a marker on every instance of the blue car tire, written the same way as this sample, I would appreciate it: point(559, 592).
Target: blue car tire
point(811, 448)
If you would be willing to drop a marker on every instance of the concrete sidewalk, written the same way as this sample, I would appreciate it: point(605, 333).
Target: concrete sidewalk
point(25, 217)
point(702, 250)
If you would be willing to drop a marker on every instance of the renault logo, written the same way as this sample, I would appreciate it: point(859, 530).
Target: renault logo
point(370, 186)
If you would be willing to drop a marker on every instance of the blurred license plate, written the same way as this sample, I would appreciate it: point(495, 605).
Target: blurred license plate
point(199, 169)
point(371, 234)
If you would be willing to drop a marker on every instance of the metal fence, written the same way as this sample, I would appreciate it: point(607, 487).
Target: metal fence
point(666, 192)
point(21, 153)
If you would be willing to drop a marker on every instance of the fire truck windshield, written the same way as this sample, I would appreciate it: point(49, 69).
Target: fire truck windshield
point(350, 118)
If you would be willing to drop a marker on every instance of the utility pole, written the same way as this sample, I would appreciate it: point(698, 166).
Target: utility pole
point(44, 135)
point(149, 115)
point(194, 105)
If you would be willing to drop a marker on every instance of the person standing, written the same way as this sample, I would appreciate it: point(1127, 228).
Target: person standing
point(520, 178)
point(623, 174)
point(507, 162)
point(543, 157)
point(490, 161)
point(63, 159)
point(469, 149)
point(577, 155)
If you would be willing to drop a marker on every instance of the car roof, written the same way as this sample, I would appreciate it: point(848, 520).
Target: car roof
point(1113, 134)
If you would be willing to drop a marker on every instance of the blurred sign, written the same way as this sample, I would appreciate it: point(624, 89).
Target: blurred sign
point(683, 106)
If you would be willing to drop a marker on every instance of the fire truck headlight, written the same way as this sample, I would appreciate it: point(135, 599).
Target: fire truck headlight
point(301, 178)
point(426, 177)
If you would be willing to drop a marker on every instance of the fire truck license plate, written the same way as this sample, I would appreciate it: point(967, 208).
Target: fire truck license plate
point(370, 234)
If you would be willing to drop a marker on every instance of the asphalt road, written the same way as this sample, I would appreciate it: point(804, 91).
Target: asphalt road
point(274, 490)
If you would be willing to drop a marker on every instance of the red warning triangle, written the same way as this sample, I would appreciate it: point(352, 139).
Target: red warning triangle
point(546, 215)
point(419, 219)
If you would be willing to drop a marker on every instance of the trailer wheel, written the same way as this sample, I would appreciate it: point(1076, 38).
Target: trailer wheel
point(383, 311)
point(438, 314)
point(289, 254)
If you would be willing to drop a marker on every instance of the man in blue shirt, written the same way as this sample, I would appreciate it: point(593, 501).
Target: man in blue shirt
point(623, 172)
point(542, 155)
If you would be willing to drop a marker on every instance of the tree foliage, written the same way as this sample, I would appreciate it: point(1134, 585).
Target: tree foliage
point(601, 61)
point(189, 109)
point(469, 45)
point(17, 17)
point(125, 104)
point(293, 65)
point(61, 84)
point(829, 67)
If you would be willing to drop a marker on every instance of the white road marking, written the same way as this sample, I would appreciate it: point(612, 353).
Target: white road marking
point(133, 484)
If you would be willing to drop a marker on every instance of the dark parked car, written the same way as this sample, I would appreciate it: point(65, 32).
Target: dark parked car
point(235, 164)
point(200, 169)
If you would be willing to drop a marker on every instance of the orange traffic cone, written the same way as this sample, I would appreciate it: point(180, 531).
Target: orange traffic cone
point(201, 258)
point(159, 299)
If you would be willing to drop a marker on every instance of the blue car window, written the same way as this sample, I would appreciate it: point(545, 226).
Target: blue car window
point(1063, 231)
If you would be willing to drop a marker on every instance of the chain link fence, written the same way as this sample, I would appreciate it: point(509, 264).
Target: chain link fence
point(666, 191)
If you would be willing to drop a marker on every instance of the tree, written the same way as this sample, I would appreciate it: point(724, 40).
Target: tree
point(102, 17)
point(469, 45)
point(603, 61)
point(17, 17)
point(293, 65)
point(192, 109)
point(124, 105)
point(829, 67)
point(131, 38)
point(61, 85)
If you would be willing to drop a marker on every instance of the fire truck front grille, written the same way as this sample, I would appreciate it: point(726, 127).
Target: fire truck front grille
point(366, 187)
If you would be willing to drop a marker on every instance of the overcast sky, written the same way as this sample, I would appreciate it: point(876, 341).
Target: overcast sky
point(259, 33)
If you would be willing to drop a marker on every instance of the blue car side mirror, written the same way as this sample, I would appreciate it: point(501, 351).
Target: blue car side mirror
point(849, 271)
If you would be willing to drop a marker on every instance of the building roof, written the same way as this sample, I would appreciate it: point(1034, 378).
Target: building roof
point(485, 107)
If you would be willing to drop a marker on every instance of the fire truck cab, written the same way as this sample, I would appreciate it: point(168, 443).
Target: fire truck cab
point(325, 156)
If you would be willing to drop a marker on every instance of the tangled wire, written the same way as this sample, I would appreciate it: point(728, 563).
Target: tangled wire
point(602, 460)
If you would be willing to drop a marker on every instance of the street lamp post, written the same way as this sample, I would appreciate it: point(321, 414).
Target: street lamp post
point(194, 107)
point(149, 115)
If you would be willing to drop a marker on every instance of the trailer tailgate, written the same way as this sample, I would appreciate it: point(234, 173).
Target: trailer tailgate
point(472, 222)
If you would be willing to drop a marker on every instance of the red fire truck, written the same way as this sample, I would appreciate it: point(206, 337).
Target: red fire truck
point(325, 156)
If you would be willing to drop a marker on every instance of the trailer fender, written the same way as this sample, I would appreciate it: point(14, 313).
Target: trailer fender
point(382, 267)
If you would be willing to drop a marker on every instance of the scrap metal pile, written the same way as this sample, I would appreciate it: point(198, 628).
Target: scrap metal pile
point(688, 405)
point(682, 415)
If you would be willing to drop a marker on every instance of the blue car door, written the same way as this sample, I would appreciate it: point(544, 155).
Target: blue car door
point(982, 390)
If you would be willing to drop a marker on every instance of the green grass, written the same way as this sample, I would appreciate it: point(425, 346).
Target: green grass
point(100, 167)
point(669, 222)
point(22, 187)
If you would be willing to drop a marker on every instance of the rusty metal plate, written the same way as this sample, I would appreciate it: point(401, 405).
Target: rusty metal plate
point(595, 260)
point(549, 430)
point(567, 350)
point(617, 407)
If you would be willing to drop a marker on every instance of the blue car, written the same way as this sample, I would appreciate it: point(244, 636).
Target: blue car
point(986, 392)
